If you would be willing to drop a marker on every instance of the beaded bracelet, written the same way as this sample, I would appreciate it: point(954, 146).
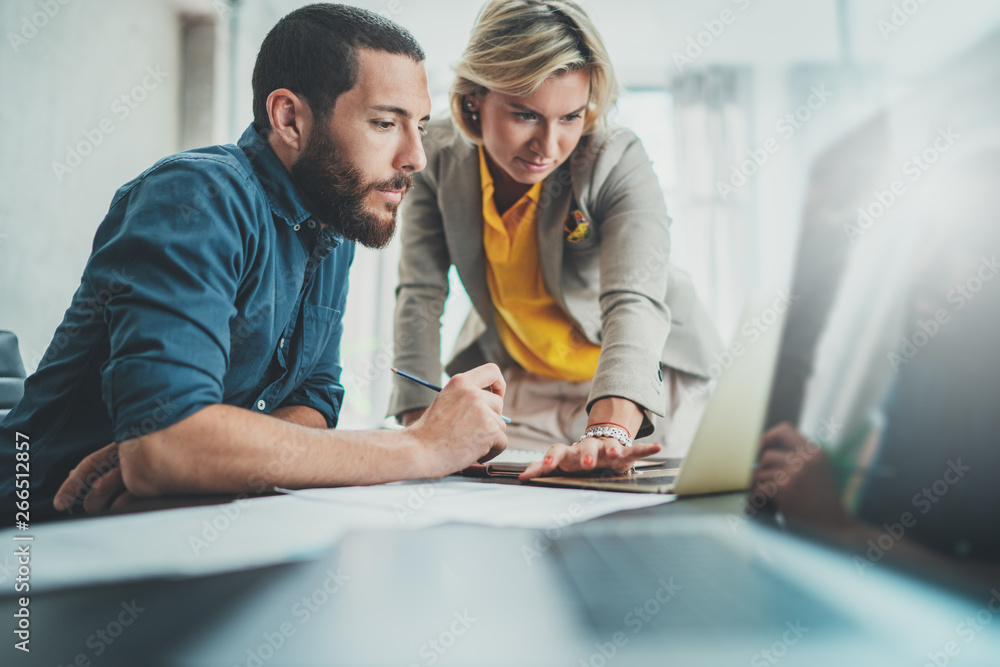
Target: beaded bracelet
point(611, 424)
point(615, 432)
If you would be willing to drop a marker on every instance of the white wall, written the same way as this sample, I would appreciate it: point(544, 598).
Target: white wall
point(59, 87)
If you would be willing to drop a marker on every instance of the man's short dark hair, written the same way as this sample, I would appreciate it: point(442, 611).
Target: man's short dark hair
point(313, 53)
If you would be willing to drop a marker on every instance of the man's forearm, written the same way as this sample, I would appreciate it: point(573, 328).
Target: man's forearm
point(225, 449)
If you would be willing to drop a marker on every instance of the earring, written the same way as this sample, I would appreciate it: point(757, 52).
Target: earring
point(472, 113)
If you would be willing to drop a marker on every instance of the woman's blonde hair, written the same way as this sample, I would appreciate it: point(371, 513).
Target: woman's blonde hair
point(518, 44)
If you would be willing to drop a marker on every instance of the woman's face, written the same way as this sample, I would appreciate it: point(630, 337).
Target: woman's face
point(528, 137)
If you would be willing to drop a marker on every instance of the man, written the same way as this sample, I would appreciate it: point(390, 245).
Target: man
point(203, 342)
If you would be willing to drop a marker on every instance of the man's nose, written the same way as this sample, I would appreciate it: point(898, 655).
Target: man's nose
point(411, 157)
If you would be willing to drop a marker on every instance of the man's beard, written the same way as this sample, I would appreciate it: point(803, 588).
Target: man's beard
point(336, 194)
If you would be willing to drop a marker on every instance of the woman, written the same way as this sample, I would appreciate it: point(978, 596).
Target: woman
point(557, 227)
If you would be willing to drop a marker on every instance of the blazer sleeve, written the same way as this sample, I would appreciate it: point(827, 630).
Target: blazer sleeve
point(634, 246)
point(420, 296)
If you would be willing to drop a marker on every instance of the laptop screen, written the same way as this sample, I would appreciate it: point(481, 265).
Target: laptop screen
point(883, 427)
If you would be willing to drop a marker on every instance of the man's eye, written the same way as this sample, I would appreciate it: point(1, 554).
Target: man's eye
point(523, 115)
point(422, 130)
point(383, 124)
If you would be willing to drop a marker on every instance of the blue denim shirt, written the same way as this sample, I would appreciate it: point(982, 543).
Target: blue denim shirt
point(209, 282)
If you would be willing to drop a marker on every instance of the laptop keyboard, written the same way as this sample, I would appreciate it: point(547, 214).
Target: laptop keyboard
point(682, 585)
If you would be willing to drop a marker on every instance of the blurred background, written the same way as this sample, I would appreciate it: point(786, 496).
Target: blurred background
point(733, 100)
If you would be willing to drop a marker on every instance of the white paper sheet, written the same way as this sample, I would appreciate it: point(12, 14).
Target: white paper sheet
point(189, 541)
point(500, 505)
point(299, 525)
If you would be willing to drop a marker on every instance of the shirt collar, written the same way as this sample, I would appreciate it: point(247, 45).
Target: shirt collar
point(282, 196)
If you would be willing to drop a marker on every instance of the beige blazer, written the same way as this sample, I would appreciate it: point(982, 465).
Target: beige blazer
point(617, 286)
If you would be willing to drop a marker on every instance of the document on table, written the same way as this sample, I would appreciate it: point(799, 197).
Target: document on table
point(500, 505)
point(188, 541)
point(299, 525)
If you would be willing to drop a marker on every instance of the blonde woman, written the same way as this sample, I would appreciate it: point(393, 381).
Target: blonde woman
point(556, 225)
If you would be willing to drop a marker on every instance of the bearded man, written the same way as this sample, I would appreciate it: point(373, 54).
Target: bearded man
point(203, 341)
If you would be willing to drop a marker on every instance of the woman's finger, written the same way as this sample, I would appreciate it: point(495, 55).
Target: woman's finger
point(588, 452)
point(629, 455)
point(553, 457)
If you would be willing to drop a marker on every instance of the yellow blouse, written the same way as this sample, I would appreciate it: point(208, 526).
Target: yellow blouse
point(536, 332)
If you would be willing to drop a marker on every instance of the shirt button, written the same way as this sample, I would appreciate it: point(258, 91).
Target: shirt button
point(261, 405)
point(281, 343)
point(312, 224)
point(297, 227)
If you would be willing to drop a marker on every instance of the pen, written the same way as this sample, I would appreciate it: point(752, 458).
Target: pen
point(427, 384)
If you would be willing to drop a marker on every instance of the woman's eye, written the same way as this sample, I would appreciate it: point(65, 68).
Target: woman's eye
point(573, 116)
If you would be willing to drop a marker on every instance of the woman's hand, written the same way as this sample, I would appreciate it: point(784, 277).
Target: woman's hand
point(590, 454)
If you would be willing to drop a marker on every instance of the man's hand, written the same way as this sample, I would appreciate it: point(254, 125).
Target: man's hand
point(412, 416)
point(796, 475)
point(590, 454)
point(96, 483)
point(463, 424)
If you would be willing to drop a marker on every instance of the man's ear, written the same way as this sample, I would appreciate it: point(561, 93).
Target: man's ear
point(291, 120)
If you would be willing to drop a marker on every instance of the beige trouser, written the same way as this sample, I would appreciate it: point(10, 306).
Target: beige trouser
point(545, 411)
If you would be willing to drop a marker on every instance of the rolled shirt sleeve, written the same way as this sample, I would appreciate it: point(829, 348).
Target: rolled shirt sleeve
point(178, 255)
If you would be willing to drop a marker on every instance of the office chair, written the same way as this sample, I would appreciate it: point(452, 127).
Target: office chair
point(11, 373)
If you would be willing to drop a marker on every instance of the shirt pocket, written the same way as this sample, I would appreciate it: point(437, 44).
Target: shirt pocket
point(319, 325)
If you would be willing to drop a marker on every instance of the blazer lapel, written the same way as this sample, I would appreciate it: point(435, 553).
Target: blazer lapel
point(461, 196)
point(553, 206)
